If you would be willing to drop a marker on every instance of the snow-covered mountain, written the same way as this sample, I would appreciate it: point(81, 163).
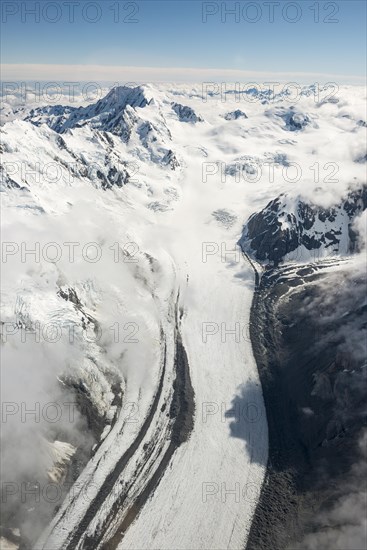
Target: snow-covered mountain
point(289, 228)
point(106, 113)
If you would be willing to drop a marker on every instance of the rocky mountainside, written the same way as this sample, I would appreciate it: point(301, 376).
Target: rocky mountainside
point(133, 115)
point(309, 335)
point(293, 229)
point(106, 112)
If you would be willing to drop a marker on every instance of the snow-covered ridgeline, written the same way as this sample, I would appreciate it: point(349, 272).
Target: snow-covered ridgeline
point(289, 229)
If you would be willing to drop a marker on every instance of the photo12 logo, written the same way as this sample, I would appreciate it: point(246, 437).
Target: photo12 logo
point(71, 252)
point(270, 12)
point(45, 173)
point(237, 413)
point(267, 170)
point(53, 493)
point(226, 332)
point(235, 492)
point(52, 92)
point(69, 11)
point(269, 92)
point(55, 412)
point(57, 331)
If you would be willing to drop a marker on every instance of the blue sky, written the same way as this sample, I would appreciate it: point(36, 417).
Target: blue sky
point(186, 34)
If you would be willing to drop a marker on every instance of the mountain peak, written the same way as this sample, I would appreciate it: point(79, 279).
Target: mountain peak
point(121, 96)
point(108, 108)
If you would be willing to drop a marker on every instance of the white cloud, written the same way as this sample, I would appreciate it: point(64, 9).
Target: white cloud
point(158, 74)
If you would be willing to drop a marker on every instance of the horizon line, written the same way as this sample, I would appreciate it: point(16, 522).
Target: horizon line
point(109, 73)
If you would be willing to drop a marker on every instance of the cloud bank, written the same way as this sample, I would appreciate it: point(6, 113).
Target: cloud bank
point(162, 74)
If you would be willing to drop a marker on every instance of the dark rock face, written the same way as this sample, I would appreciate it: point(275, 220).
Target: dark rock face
point(170, 159)
point(54, 116)
point(295, 121)
point(116, 114)
point(6, 182)
point(282, 227)
point(308, 333)
point(113, 172)
point(185, 113)
point(113, 113)
point(234, 115)
point(361, 159)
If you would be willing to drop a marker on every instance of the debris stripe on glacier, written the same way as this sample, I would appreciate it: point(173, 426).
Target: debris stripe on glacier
point(146, 461)
point(118, 441)
point(176, 516)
